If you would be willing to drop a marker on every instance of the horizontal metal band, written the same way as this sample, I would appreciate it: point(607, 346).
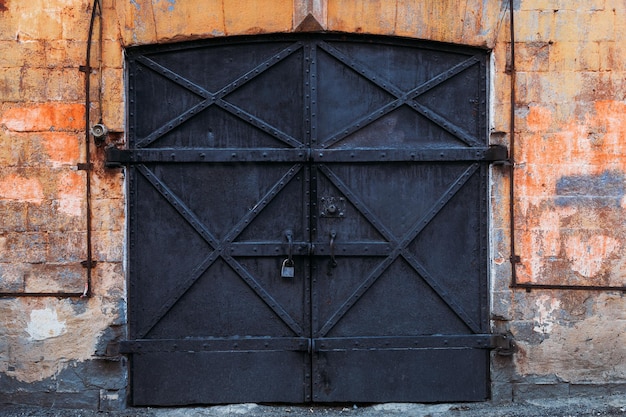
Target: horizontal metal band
point(487, 154)
point(475, 341)
point(117, 157)
point(301, 344)
point(215, 344)
point(314, 249)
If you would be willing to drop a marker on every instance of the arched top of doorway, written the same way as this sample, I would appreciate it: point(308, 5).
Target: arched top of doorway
point(467, 22)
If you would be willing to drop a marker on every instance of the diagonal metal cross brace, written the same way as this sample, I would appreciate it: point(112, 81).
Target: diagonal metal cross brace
point(209, 98)
point(402, 97)
point(219, 249)
point(258, 123)
point(400, 249)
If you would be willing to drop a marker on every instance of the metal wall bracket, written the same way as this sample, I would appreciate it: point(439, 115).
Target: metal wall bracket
point(116, 158)
point(497, 154)
point(503, 344)
point(88, 264)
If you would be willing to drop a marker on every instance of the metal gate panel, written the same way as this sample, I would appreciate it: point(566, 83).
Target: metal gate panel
point(361, 164)
point(374, 122)
point(394, 374)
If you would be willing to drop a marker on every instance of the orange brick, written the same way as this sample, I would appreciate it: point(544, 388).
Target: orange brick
point(55, 278)
point(599, 25)
point(61, 149)
point(106, 184)
point(108, 214)
point(70, 193)
point(113, 84)
point(65, 53)
point(12, 277)
point(32, 84)
point(257, 16)
point(112, 54)
point(15, 53)
point(47, 216)
point(13, 149)
point(534, 26)
point(15, 187)
point(564, 56)
point(13, 214)
point(589, 53)
point(190, 19)
point(66, 247)
point(108, 246)
point(8, 28)
point(566, 25)
point(75, 23)
point(532, 56)
point(65, 85)
point(137, 23)
point(113, 115)
point(10, 84)
point(43, 117)
point(363, 17)
point(612, 56)
point(37, 22)
point(28, 247)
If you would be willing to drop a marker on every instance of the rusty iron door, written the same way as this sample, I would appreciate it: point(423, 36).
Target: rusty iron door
point(307, 221)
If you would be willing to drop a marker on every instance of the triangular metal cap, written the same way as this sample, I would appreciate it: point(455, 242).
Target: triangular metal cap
point(309, 24)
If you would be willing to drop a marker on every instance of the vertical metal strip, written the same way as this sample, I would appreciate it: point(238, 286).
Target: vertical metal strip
point(311, 94)
point(309, 222)
point(133, 197)
point(483, 320)
point(483, 124)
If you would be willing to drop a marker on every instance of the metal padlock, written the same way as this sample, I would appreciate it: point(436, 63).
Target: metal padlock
point(288, 269)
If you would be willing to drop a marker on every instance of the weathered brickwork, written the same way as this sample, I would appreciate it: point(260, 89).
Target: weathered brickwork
point(570, 133)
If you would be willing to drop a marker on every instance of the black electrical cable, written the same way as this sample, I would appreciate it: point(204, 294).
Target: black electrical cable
point(89, 263)
point(514, 259)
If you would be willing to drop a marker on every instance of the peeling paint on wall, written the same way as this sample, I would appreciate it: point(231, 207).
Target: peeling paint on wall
point(603, 190)
point(588, 255)
point(545, 308)
point(45, 324)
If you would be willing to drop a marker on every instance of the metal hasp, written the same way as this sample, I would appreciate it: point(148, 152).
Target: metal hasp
point(307, 221)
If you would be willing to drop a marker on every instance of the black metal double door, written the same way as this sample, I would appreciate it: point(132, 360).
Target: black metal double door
point(307, 222)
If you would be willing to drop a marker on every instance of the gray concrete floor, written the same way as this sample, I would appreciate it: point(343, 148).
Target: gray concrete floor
point(571, 407)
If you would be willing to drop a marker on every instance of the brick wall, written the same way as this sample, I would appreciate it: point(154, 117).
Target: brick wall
point(569, 178)
point(49, 345)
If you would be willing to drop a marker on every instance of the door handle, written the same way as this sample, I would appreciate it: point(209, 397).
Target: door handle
point(333, 236)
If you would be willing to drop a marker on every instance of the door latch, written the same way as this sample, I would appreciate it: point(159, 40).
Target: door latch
point(288, 268)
